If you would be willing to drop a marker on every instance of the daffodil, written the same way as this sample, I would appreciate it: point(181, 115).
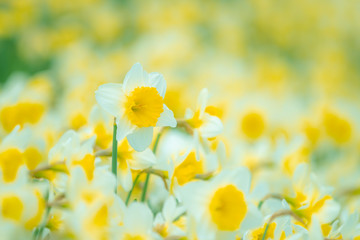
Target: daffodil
point(12, 157)
point(70, 152)
point(94, 208)
point(186, 168)
point(100, 123)
point(138, 105)
point(221, 207)
point(22, 206)
point(349, 229)
point(128, 160)
point(311, 198)
point(203, 121)
point(164, 220)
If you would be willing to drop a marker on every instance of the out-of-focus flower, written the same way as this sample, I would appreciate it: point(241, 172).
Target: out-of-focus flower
point(129, 159)
point(164, 221)
point(204, 121)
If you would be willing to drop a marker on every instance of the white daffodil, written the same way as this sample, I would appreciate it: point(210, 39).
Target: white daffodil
point(12, 157)
point(95, 209)
point(220, 206)
point(138, 105)
point(279, 228)
point(70, 152)
point(312, 198)
point(21, 205)
point(203, 121)
point(350, 229)
point(164, 220)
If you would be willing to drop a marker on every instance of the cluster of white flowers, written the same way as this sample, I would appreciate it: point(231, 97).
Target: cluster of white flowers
point(254, 135)
point(182, 184)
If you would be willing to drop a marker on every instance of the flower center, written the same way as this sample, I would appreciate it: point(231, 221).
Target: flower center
point(132, 237)
point(88, 165)
point(253, 125)
point(143, 106)
point(188, 169)
point(12, 208)
point(195, 121)
point(228, 208)
point(20, 114)
point(10, 162)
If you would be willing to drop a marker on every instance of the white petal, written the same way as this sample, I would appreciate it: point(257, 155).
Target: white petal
point(194, 196)
point(125, 178)
point(205, 230)
point(136, 77)
point(211, 127)
point(13, 138)
point(189, 113)
point(328, 212)
point(196, 143)
point(157, 80)
point(110, 97)
point(124, 128)
point(240, 177)
point(141, 138)
point(260, 190)
point(166, 118)
point(169, 209)
point(300, 177)
point(76, 181)
point(97, 114)
point(253, 218)
point(142, 160)
point(104, 179)
point(138, 219)
point(159, 220)
point(202, 101)
point(349, 225)
point(64, 148)
point(87, 146)
point(315, 229)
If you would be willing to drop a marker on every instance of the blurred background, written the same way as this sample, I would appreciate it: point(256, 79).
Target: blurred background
point(276, 70)
point(311, 47)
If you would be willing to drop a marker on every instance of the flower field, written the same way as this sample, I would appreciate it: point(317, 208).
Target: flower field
point(179, 120)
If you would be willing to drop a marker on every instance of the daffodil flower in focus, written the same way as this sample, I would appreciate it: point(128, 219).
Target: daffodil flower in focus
point(138, 105)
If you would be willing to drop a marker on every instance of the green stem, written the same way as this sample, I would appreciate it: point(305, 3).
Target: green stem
point(114, 155)
point(280, 213)
point(265, 231)
point(143, 195)
point(39, 231)
point(157, 142)
point(131, 190)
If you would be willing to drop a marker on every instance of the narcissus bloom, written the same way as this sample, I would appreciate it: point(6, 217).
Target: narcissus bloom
point(221, 207)
point(203, 121)
point(138, 105)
